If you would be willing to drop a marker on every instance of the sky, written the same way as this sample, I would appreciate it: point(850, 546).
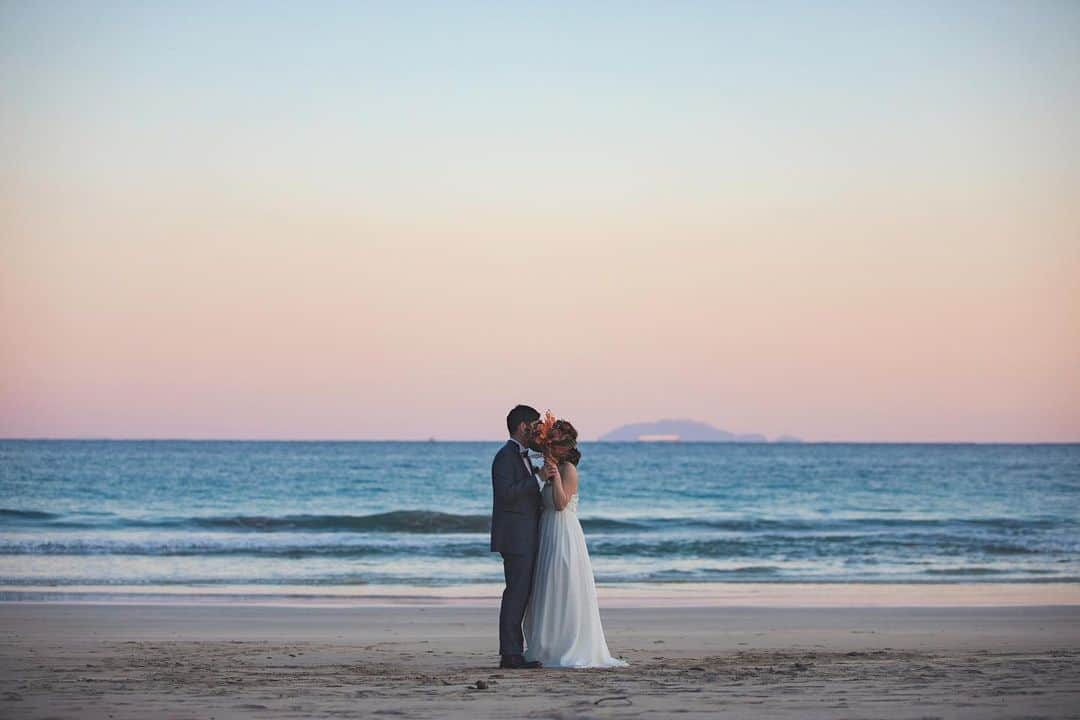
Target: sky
point(841, 221)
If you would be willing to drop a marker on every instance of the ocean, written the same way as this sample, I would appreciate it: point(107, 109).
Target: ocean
point(195, 513)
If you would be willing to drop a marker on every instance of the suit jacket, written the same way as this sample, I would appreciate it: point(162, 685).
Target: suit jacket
point(515, 514)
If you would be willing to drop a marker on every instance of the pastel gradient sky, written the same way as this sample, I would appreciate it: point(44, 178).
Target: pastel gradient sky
point(851, 221)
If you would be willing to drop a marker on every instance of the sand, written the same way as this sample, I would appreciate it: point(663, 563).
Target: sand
point(401, 659)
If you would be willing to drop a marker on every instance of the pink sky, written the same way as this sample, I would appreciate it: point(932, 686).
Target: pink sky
point(189, 253)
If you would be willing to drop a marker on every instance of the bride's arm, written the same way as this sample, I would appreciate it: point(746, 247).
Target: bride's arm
point(563, 485)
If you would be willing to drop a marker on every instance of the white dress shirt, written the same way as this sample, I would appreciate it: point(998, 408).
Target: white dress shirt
point(524, 459)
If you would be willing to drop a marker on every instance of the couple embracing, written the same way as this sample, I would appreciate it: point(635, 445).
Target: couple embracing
point(549, 613)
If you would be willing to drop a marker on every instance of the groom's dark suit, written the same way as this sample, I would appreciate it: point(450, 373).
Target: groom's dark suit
point(514, 519)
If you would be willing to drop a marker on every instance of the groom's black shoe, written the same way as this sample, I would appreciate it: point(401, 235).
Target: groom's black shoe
point(517, 662)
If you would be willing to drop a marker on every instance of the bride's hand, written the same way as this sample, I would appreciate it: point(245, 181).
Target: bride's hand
point(551, 470)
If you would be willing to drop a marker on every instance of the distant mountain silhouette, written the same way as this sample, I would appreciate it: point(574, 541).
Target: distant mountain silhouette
point(683, 431)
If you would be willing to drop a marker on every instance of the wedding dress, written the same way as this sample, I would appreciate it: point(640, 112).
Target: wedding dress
point(562, 623)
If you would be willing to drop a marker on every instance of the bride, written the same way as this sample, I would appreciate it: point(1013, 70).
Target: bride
point(562, 623)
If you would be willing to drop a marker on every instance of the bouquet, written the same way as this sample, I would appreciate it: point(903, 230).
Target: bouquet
point(556, 439)
point(543, 434)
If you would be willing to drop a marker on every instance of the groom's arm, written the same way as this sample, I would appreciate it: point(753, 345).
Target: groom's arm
point(502, 478)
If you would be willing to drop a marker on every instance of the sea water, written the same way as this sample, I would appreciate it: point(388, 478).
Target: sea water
point(174, 513)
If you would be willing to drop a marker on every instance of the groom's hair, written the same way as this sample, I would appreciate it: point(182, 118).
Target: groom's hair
point(520, 414)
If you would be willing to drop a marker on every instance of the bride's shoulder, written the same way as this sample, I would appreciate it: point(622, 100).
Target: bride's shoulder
point(568, 471)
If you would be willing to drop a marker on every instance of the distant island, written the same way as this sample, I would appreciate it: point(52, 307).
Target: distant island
point(684, 431)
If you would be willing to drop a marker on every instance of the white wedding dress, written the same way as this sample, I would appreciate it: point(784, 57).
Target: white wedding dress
point(562, 622)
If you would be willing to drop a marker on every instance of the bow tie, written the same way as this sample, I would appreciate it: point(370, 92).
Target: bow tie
point(525, 454)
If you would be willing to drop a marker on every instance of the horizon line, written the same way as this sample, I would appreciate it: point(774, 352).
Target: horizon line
point(434, 440)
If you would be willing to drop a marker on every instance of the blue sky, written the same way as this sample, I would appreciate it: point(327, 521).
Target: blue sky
point(838, 220)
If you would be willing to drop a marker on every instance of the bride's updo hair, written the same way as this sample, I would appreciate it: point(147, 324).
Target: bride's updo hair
point(564, 439)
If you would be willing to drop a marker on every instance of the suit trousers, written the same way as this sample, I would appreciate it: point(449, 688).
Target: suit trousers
point(518, 571)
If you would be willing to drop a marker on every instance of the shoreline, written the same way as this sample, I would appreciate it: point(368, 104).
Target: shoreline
point(669, 595)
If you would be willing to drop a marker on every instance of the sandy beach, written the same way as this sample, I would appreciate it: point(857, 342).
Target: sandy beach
point(392, 658)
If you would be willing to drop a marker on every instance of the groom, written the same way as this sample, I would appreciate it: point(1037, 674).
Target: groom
point(514, 529)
